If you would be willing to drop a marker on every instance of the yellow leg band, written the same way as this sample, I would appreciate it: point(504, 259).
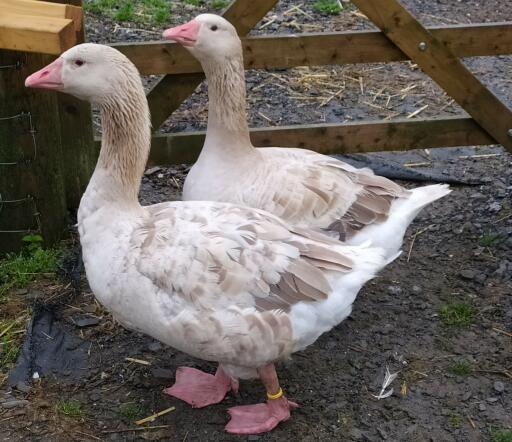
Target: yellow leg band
point(275, 396)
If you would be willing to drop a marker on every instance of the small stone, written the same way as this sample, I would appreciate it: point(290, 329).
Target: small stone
point(163, 373)
point(499, 387)
point(155, 346)
point(480, 278)
point(368, 437)
point(482, 407)
point(24, 388)
point(491, 400)
point(152, 170)
point(394, 290)
point(467, 227)
point(15, 403)
point(382, 433)
point(495, 206)
point(467, 395)
point(94, 396)
point(504, 268)
point(86, 321)
point(91, 308)
point(478, 196)
point(254, 437)
point(20, 291)
point(467, 274)
point(356, 434)
point(160, 175)
point(412, 429)
point(416, 289)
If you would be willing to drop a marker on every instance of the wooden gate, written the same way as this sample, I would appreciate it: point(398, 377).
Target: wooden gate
point(436, 50)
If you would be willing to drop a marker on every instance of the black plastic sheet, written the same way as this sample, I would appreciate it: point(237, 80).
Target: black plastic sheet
point(49, 349)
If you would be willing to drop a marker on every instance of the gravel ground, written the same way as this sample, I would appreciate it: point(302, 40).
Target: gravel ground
point(454, 382)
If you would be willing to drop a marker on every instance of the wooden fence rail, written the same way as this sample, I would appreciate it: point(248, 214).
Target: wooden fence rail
point(399, 134)
point(153, 58)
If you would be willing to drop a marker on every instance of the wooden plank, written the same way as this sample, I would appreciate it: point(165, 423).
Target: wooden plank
point(243, 14)
point(43, 9)
point(321, 48)
point(47, 35)
point(69, 2)
point(439, 62)
point(335, 138)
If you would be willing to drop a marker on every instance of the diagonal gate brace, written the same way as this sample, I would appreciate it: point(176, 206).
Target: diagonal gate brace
point(438, 61)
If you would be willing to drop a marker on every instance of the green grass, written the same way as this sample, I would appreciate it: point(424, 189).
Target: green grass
point(455, 420)
point(192, 2)
point(70, 407)
point(460, 368)
point(10, 346)
point(139, 11)
point(490, 239)
point(18, 270)
point(219, 4)
point(457, 314)
point(125, 12)
point(501, 436)
point(130, 410)
point(331, 7)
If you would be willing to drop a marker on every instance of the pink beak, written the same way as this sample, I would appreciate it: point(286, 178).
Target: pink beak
point(50, 77)
point(185, 34)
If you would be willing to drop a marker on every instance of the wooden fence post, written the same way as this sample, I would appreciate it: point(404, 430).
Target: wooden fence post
point(47, 152)
point(32, 190)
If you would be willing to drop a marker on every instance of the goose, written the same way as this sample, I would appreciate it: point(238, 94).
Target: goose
point(222, 282)
point(300, 186)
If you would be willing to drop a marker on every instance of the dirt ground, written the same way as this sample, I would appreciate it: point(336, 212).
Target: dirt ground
point(454, 381)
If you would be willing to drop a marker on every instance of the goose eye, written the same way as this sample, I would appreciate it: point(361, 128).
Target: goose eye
point(79, 62)
point(214, 28)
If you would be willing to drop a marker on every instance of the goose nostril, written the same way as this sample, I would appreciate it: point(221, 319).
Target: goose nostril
point(45, 73)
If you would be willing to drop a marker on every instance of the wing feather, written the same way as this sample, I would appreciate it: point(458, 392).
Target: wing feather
point(322, 192)
point(234, 256)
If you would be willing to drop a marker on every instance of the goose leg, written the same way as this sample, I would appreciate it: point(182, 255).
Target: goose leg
point(259, 418)
point(200, 389)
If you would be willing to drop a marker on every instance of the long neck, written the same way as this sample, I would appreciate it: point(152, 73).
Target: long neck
point(227, 120)
point(125, 143)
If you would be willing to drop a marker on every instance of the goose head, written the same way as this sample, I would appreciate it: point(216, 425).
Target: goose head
point(88, 71)
point(207, 37)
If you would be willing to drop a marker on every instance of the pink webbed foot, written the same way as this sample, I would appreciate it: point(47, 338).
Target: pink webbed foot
point(201, 389)
point(259, 418)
